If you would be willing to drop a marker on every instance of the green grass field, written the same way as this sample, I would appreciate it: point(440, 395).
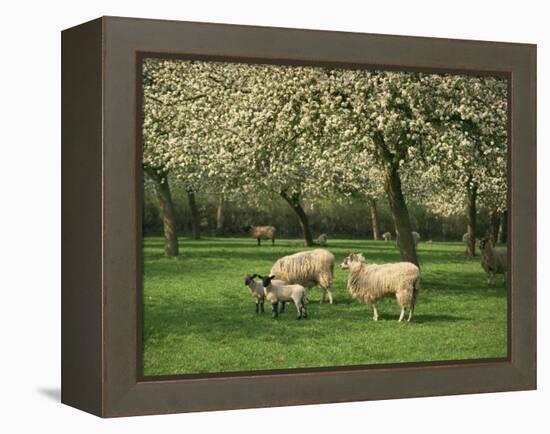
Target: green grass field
point(199, 317)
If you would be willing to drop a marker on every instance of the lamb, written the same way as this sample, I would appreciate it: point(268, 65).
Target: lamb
point(369, 282)
point(280, 294)
point(257, 290)
point(322, 240)
point(416, 239)
point(262, 233)
point(493, 261)
point(309, 268)
point(386, 236)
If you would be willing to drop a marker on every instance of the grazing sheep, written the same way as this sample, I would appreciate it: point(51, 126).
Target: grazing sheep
point(310, 268)
point(262, 233)
point(493, 261)
point(257, 290)
point(386, 236)
point(280, 294)
point(322, 240)
point(416, 239)
point(369, 282)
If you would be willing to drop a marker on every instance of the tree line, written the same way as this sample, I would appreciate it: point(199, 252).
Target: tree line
point(249, 132)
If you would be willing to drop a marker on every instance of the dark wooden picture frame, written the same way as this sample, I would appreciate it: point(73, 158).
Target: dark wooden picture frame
point(101, 242)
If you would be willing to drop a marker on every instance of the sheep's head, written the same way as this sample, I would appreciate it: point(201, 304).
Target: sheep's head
point(247, 228)
point(483, 243)
point(266, 281)
point(248, 279)
point(351, 258)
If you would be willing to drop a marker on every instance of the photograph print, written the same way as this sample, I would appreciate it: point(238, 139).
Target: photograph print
point(315, 216)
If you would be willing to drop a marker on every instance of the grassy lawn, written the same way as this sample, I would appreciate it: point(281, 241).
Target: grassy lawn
point(199, 317)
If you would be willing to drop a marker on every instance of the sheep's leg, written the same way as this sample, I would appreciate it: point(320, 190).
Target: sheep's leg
point(273, 241)
point(274, 310)
point(304, 311)
point(259, 242)
point(330, 296)
point(375, 312)
point(257, 306)
point(402, 313)
point(262, 306)
point(411, 310)
point(282, 306)
point(324, 295)
point(298, 309)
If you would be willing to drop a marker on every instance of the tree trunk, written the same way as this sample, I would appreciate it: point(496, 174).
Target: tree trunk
point(400, 213)
point(501, 228)
point(195, 219)
point(374, 219)
point(472, 220)
point(166, 206)
point(219, 215)
point(294, 202)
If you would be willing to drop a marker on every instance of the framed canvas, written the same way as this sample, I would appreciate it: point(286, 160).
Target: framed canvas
point(294, 131)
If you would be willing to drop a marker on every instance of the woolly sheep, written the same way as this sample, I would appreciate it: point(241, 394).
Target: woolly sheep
point(257, 290)
point(281, 294)
point(322, 240)
point(386, 236)
point(309, 268)
point(262, 233)
point(493, 261)
point(369, 282)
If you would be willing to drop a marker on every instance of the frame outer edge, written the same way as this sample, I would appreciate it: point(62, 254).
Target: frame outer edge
point(81, 235)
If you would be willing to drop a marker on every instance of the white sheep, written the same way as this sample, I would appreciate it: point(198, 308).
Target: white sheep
point(386, 236)
point(322, 240)
point(369, 282)
point(280, 294)
point(262, 233)
point(493, 261)
point(257, 290)
point(310, 268)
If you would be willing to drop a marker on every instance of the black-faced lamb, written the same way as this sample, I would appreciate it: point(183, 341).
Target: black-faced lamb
point(386, 236)
point(257, 290)
point(309, 268)
point(369, 282)
point(262, 233)
point(493, 261)
point(280, 294)
point(322, 240)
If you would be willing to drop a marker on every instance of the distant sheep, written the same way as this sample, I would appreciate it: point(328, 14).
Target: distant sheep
point(310, 268)
point(386, 236)
point(322, 240)
point(416, 239)
point(257, 290)
point(280, 294)
point(369, 282)
point(493, 261)
point(262, 233)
